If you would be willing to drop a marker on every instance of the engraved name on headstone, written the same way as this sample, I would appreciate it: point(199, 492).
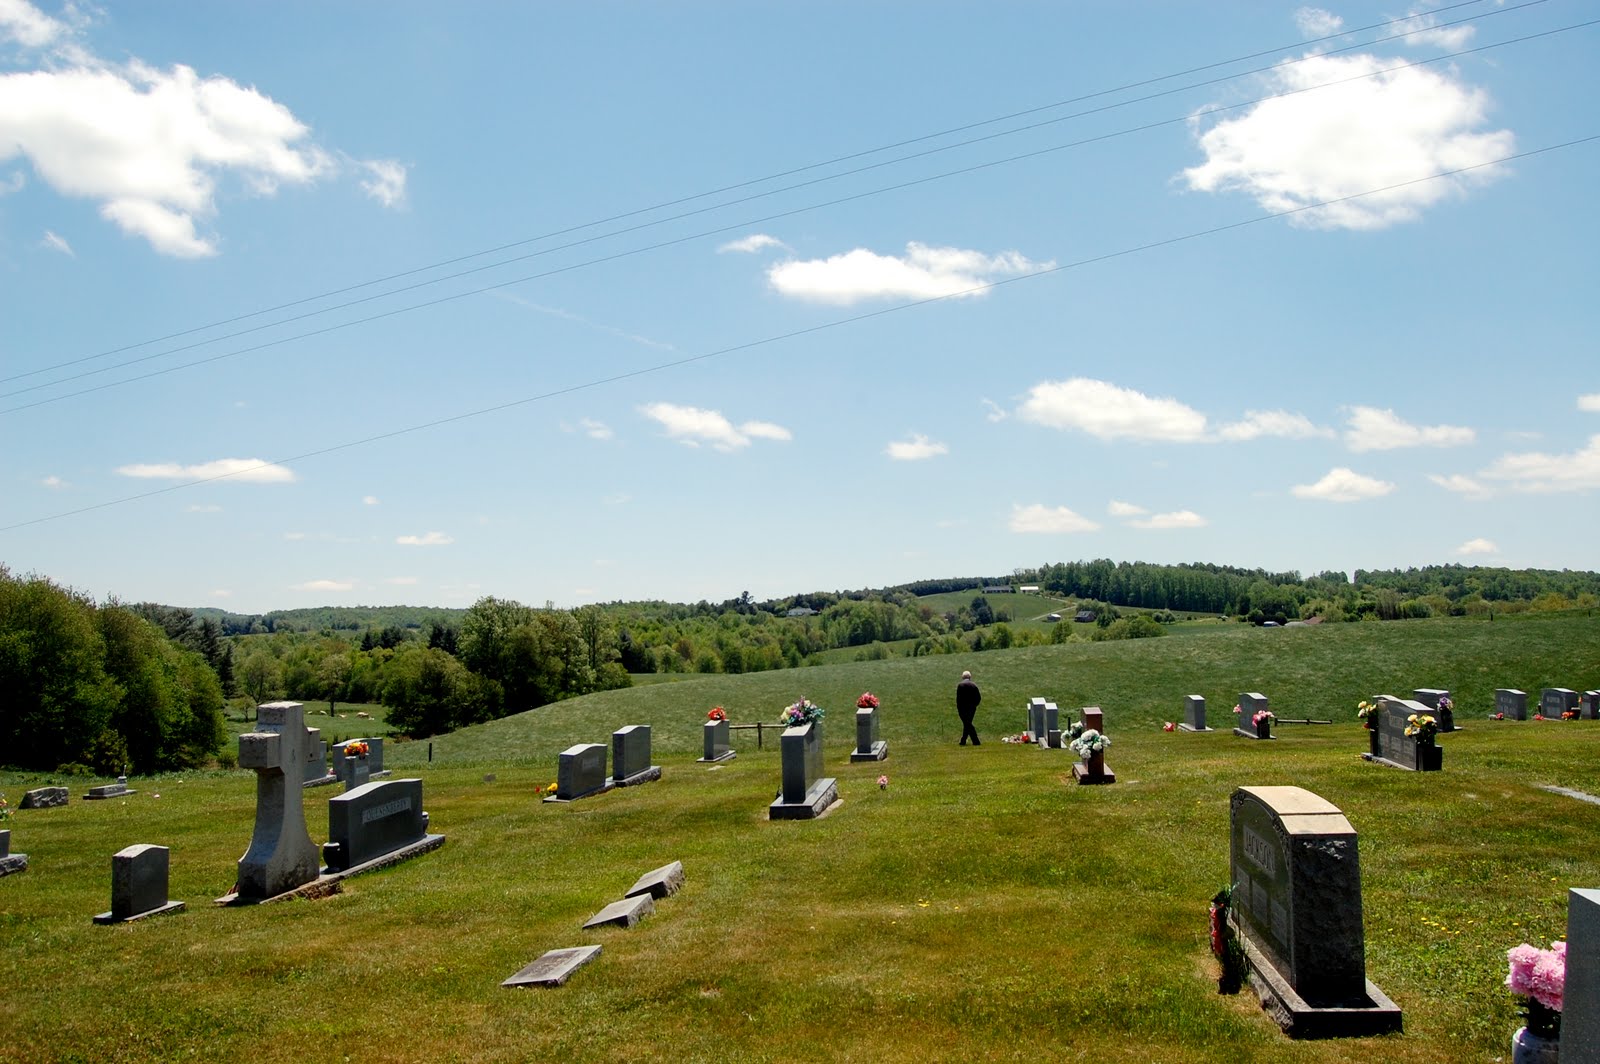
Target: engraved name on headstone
point(1512, 702)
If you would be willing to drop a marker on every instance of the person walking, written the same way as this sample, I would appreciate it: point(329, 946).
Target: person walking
point(967, 698)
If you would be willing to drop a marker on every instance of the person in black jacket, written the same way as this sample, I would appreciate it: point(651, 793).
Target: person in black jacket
point(967, 698)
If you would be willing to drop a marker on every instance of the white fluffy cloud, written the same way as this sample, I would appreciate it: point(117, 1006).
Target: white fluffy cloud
point(693, 426)
point(1276, 423)
point(1292, 151)
point(1372, 429)
point(1544, 473)
point(921, 273)
point(1117, 508)
point(325, 585)
point(429, 539)
point(53, 482)
point(1315, 22)
point(1423, 28)
point(239, 470)
point(1466, 487)
point(369, 500)
point(1478, 546)
point(1049, 519)
point(150, 145)
point(1108, 412)
point(1343, 485)
point(753, 243)
point(917, 447)
point(1175, 519)
point(595, 430)
point(1589, 403)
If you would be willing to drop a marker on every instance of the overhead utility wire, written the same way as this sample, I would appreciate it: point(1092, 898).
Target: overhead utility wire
point(393, 312)
point(720, 230)
point(788, 173)
point(795, 333)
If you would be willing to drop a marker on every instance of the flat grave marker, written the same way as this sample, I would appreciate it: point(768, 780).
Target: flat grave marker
point(624, 913)
point(659, 882)
point(119, 789)
point(553, 968)
point(44, 798)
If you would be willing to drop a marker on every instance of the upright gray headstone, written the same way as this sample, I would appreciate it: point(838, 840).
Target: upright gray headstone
point(1554, 701)
point(1590, 705)
point(1580, 1008)
point(1194, 713)
point(138, 885)
point(1052, 725)
point(316, 757)
point(1439, 704)
point(717, 747)
point(868, 746)
point(1250, 703)
point(580, 772)
point(1512, 702)
point(630, 756)
point(281, 856)
point(375, 756)
point(1296, 869)
point(373, 820)
point(1036, 726)
point(805, 793)
point(1394, 746)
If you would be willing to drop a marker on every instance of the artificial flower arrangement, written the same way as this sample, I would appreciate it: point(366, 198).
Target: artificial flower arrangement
point(883, 783)
point(868, 700)
point(1569, 714)
point(1540, 977)
point(1368, 712)
point(356, 749)
point(1169, 726)
point(1023, 738)
point(1075, 729)
point(1445, 705)
point(717, 713)
point(5, 808)
point(551, 789)
point(1497, 716)
point(1261, 715)
point(1540, 716)
point(1089, 743)
point(1422, 728)
point(1237, 709)
point(802, 712)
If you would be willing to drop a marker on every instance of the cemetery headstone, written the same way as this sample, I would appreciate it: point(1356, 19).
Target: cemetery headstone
point(630, 756)
point(10, 862)
point(376, 820)
point(1250, 702)
point(281, 856)
point(1512, 702)
point(717, 747)
point(623, 913)
point(1094, 768)
point(1052, 726)
point(868, 746)
point(139, 885)
point(1580, 1007)
point(44, 797)
point(580, 772)
point(1295, 864)
point(805, 793)
point(375, 757)
point(1439, 704)
point(317, 772)
point(1554, 701)
point(659, 882)
point(1036, 726)
point(1394, 746)
point(119, 789)
point(553, 968)
point(1194, 714)
point(1589, 708)
point(352, 768)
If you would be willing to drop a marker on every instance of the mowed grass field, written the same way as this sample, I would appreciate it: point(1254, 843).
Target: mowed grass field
point(981, 908)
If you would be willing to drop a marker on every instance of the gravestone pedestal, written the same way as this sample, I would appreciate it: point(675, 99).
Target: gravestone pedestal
point(281, 856)
point(10, 862)
point(139, 885)
point(717, 748)
point(868, 746)
point(1194, 714)
point(805, 794)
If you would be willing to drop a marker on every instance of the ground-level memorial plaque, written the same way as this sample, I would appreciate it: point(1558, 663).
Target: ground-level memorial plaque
point(630, 757)
point(1512, 703)
point(623, 913)
point(659, 882)
point(1580, 1009)
point(44, 797)
point(281, 857)
point(1389, 743)
point(805, 793)
point(868, 746)
point(139, 885)
point(717, 747)
point(119, 789)
point(1296, 870)
point(554, 968)
point(10, 862)
point(376, 824)
point(1194, 714)
point(580, 772)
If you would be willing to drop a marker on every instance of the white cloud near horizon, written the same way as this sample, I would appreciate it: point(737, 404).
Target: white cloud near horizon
point(1589, 403)
point(430, 539)
point(324, 585)
point(922, 273)
point(1315, 22)
point(1478, 546)
point(1292, 151)
point(239, 470)
point(751, 244)
point(1174, 519)
point(1274, 423)
point(595, 430)
point(1109, 412)
point(1464, 486)
point(1540, 473)
point(1343, 485)
point(53, 482)
point(1371, 429)
point(693, 426)
point(1049, 519)
point(916, 448)
point(1118, 508)
point(150, 145)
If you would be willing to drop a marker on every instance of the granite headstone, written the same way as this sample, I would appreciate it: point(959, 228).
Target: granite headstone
point(373, 820)
point(139, 885)
point(805, 793)
point(1511, 702)
point(281, 856)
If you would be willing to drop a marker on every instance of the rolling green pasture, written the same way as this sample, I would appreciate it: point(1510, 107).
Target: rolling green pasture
point(982, 907)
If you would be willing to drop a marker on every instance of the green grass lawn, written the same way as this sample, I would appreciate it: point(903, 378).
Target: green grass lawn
point(981, 908)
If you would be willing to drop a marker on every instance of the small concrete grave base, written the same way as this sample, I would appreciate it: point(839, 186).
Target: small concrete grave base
point(624, 913)
point(1300, 1019)
point(660, 882)
point(820, 797)
point(725, 756)
point(44, 797)
point(139, 885)
point(649, 775)
point(119, 789)
point(879, 751)
point(1251, 733)
point(554, 968)
point(10, 862)
point(1084, 774)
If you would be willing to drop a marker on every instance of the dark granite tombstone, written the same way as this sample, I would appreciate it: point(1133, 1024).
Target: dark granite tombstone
point(1296, 870)
point(119, 789)
point(139, 885)
point(580, 772)
point(1036, 726)
point(372, 821)
point(630, 756)
point(10, 862)
point(805, 793)
point(717, 747)
point(1444, 713)
point(1194, 714)
point(44, 797)
point(1589, 707)
point(1250, 703)
point(1554, 701)
point(553, 968)
point(868, 746)
point(1394, 746)
point(1512, 702)
point(1580, 1009)
point(1093, 769)
point(281, 856)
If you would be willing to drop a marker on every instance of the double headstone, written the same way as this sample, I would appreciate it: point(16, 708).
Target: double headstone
point(1580, 1009)
point(10, 862)
point(1296, 870)
point(1194, 714)
point(1390, 743)
point(580, 772)
point(1511, 702)
point(281, 856)
point(868, 746)
point(717, 747)
point(1554, 701)
point(630, 757)
point(139, 885)
point(805, 792)
point(44, 797)
point(373, 821)
point(1432, 697)
point(118, 789)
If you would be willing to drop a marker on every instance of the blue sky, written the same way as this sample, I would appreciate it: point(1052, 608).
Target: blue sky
point(1040, 338)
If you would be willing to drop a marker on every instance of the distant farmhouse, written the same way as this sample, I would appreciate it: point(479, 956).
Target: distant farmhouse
point(997, 589)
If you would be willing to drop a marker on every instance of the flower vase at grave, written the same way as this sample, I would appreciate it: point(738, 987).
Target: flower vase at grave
point(1530, 1048)
point(1372, 741)
point(1264, 728)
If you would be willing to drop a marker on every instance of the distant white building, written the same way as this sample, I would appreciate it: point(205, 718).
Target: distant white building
point(1029, 589)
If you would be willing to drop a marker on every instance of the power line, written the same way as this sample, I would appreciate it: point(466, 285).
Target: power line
point(678, 240)
point(751, 182)
point(796, 333)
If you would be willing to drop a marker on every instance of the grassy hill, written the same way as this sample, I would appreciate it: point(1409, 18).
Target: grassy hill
point(982, 907)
